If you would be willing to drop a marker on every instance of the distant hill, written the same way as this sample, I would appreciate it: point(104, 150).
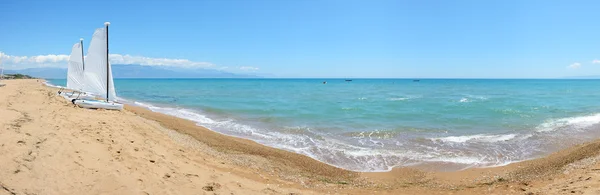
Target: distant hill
point(16, 76)
point(50, 73)
point(136, 71)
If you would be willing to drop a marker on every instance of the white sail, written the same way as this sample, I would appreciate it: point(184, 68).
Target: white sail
point(75, 69)
point(98, 75)
point(112, 95)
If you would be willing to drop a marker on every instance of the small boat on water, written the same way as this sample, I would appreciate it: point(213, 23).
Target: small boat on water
point(98, 74)
point(348, 80)
point(416, 80)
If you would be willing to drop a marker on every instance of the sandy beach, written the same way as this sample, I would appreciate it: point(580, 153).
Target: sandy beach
point(49, 146)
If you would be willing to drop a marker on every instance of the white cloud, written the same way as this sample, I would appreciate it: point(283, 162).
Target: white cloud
point(248, 68)
point(39, 60)
point(128, 59)
point(21, 62)
point(595, 61)
point(574, 65)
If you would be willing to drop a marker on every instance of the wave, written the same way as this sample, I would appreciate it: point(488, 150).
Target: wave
point(571, 123)
point(476, 138)
point(472, 98)
point(399, 99)
point(177, 112)
point(465, 100)
point(410, 97)
point(51, 85)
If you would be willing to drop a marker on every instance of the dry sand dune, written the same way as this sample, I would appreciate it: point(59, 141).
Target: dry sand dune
point(49, 146)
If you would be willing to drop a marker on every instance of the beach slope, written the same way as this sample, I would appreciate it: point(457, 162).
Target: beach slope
point(49, 146)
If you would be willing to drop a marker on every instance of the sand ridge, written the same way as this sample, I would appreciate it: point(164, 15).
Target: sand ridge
point(49, 146)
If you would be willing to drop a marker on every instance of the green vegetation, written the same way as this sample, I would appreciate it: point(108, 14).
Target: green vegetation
point(17, 76)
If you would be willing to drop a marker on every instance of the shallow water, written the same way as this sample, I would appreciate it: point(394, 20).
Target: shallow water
point(377, 124)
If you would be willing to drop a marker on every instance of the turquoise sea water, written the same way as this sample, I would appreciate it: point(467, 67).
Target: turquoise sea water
point(377, 124)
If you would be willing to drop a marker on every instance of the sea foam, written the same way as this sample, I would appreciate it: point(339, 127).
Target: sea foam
point(476, 138)
point(572, 123)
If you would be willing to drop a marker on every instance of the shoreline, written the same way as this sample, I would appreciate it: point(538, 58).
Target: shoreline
point(230, 158)
point(493, 149)
point(135, 106)
point(143, 110)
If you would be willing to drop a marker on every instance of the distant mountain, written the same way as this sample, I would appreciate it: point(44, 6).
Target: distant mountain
point(137, 71)
point(49, 73)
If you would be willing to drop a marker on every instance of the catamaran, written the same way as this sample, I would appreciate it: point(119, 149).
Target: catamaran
point(97, 75)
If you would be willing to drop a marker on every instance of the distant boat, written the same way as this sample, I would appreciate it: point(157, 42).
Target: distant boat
point(348, 80)
point(98, 73)
point(416, 80)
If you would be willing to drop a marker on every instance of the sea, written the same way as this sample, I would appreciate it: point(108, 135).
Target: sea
point(374, 125)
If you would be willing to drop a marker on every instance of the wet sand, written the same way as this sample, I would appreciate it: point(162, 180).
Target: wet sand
point(49, 146)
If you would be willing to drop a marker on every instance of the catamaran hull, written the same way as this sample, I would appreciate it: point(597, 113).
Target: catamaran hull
point(71, 97)
point(98, 104)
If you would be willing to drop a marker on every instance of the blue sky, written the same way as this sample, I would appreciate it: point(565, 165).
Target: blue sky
point(306, 38)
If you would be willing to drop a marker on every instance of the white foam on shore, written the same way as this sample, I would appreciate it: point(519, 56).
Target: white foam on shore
point(476, 138)
point(51, 85)
point(457, 160)
point(573, 123)
point(180, 113)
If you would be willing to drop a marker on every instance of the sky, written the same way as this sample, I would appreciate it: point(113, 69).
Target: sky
point(310, 38)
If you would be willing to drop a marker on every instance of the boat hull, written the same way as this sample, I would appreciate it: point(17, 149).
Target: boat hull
point(71, 97)
point(95, 104)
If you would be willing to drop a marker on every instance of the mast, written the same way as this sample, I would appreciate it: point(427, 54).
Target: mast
point(106, 24)
point(81, 45)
